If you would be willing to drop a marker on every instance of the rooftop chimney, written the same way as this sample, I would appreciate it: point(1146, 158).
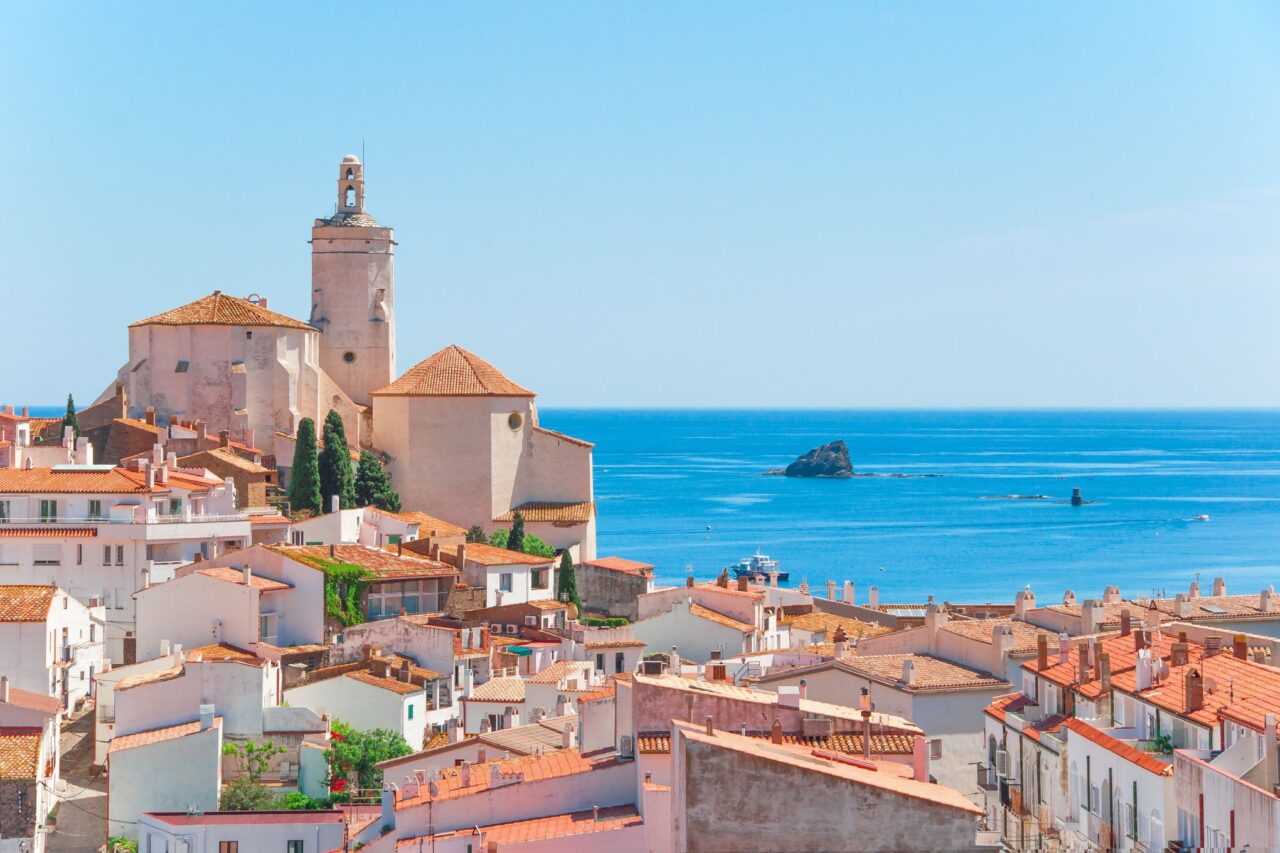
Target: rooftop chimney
point(1069, 599)
point(335, 503)
point(206, 717)
point(689, 582)
point(462, 556)
point(202, 435)
point(1178, 654)
point(775, 732)
point(848, 592)
point(224, 438)
point(1182, 606)
point(1240, 647)
point(709, 719)
point(1126, 622)
point(1194, 691)
point(1195, 590)
point(1219, 586)
point(1111, 595)
point(831, 590)
point(873, 597)
point(1104, 672)
point(1140, 639)
point(1153, 615)
point(1024, 602)
point(742, 584)
point(1264, 600)
point(151, 476)
point(150, 415)
point(1091, 616)
point(1082, 663)
point(804, 689)
point(1064, 647)
point(1042, 651)
point(908, 671)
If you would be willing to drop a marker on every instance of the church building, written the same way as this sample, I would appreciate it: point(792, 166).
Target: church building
point(460, 440)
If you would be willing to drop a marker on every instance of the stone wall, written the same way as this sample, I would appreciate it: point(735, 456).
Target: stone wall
point(17, 808)
point(610, 591)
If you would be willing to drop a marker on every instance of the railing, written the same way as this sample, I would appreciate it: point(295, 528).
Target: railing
point(65, 521)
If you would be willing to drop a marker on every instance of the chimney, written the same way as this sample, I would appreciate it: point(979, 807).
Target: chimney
point(1142, 667)
point(435, 551)
point(162, 474)
point(1126, 622)
point(149, 416)
point(464, 771)
point(709, 729)
point(1104, 672)
point(1178, 653)
point(1240, 647)
point(873, 597)
point(146, 578)
point(908, 671)
point(1153, 615)
point(157, 455)
point(1139, 639)
point(1069, 599)
point(1024, 602)
point(1111, 595)
point(831, 590)
point(262, 302)
point(1219, 586)
point(775, 732)
point(151, 475)
point(848, 592)
point(1264, 600)
point(569, 736)
point(334, 503)
point(1182, 606)
point(841, 641)
point(1195, 590)
point(202, 435)
point(1042, 651)
point(688, 582)
point(462, 556)
point(1064, 647)
point(68, 436)
point(1194, 691)
point(804, 689)
point(742, 584)
point(206, 717)
point(675, 661)
point(1091, 615)
point(934, 618)
point(455, 733)
point(224, 438)
point(1082, 663)
point(171, 459)
point(4, 689)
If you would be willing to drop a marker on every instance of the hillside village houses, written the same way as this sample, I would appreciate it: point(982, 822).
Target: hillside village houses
point(158, 605)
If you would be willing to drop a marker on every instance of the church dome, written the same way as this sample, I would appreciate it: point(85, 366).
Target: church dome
point(351, 158)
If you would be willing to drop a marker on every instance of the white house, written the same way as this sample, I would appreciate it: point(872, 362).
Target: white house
point(696, 630)
point(102, 532)
point(507, 577)
point(242, 832)
point(174, 768)
point(462, 653)
point(50, 642)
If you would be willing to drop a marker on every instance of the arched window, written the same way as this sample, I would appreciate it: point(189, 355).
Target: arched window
point(351, 173)
point(350, 197)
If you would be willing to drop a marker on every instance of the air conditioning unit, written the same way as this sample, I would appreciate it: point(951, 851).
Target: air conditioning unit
point(626, 746)
point(651, 667)
point(531, 620)
point(1002, 763)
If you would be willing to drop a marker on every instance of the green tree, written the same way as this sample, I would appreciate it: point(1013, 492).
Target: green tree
point(70, 419)
point(373, 486)
point(298, 801)
point(567, 582)
point(476, 534)
point(352, 755)
point(336, 476)
point(538, 547)
point(304, 478)
point(515, 540)
point(243, 795)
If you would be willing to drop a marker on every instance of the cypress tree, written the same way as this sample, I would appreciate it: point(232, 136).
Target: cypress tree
point(373, 486)
point(70, 420)
point(476, 533)
point(567, 582)
point(515, 541)
point(304, 478)
point(336, 476)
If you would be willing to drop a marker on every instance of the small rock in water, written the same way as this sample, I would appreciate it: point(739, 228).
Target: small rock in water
point(829, 460)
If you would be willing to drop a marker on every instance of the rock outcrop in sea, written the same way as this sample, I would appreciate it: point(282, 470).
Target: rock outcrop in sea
point(830, 460)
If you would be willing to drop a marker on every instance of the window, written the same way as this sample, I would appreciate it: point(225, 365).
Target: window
point(48, 511)
point(4, 512)
point(506, 582)
point(935, 748)
point(182, 367)
point(79, 553)
point(47, 555)
point(297, 537)
point(539, 578)
point(293, 847)
point(350, 200)
point(619, 662)
point(95, 509)
point(119, 555)
point(411, 710)
point(228, 847)
point(106, 555)
point(175, 506)
point(600, 662)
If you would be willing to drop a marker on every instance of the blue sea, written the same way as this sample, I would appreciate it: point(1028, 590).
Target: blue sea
point(683, 490)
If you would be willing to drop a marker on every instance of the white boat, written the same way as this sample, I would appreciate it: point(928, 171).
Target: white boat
point(758, 564)
point(1204, 516)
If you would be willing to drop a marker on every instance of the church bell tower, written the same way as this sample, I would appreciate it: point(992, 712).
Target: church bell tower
point(353, 290)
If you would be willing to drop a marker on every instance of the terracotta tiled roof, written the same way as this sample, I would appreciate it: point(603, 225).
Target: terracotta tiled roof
point(541, 828)
point(15, 481)
point(154, 677)
point(719, 618)
point(559, 671)
point(453, 372)
point(1145, 760)
point(930, 673)
point(578, 512)
point(33, 701)
point(599, 695)
point(1111, 611)
point(230, 575)
point(499, 690)
point(225, 456)
point(138, 423)
point(1010, 703)
point(562, 437)
point(382, 564)
point(981, 630)
point(534, 768)
point(437, 739)
point(20, 754)
point(1211, 607)
point(492, 555)
point(223, 652)
point(618, 564)
point(849, 744)
point(404, 688)
point(25, 603)
point(46, 532)
point(732, 589)
point(429, 525)
point(219, 309)
point(158, 735)
point(273, 518)
point(826, 624)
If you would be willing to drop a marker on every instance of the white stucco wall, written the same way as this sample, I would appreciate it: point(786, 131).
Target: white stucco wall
point(365, 707)
point(693, 636)
point(167, 776)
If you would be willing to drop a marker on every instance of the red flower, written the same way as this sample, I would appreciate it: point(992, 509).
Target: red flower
point(337, 784)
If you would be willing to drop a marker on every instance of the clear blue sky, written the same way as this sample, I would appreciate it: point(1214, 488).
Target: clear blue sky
point(674, 204)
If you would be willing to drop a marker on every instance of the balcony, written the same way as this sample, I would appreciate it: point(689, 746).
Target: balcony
point(119, 518)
